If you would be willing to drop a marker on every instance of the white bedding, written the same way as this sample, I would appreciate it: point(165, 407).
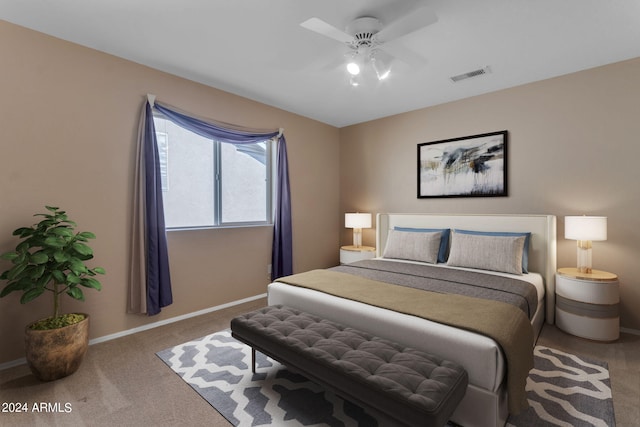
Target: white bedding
point(481, 356)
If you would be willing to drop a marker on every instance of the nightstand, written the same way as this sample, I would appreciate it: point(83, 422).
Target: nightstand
point(587, 304)
point(350, 254)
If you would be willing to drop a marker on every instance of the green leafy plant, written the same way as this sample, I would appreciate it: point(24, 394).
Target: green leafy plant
point(50, 257)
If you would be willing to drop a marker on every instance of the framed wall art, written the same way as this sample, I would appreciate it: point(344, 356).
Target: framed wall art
point(470, 166)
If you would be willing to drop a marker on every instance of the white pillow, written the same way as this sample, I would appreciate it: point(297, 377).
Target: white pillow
point(496, 253)
point(421, 247)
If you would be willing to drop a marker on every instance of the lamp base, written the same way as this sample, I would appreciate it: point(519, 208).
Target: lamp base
point(357, 237)
point(584, 256)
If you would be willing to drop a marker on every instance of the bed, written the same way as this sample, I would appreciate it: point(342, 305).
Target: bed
point(486, 399)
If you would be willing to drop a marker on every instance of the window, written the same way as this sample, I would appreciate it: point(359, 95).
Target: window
point(209, 183)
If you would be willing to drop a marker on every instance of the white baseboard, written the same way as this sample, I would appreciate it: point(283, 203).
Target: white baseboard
point(12, 363)
point(630, 331)
point(110, 337)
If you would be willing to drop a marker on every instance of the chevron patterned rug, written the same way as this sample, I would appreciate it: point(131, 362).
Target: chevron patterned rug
point(563, 389)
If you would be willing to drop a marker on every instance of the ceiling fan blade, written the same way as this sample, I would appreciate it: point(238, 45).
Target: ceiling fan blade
point(319, 26)
point(404, 54)
point(407, 24)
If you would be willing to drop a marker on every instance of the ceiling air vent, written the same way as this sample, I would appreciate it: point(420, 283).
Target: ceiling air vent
point(470, 74)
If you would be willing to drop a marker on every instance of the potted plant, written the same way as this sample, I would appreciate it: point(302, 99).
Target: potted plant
point(51, 258)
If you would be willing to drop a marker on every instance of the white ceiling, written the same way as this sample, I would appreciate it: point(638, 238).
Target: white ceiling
point(257, 48)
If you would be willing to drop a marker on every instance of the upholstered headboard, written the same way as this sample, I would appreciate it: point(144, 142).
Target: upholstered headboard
point(542, 250)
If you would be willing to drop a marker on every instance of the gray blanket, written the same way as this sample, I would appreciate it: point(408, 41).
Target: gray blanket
point(488, 286)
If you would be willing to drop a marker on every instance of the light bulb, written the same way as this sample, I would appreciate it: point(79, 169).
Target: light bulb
point(353, 68)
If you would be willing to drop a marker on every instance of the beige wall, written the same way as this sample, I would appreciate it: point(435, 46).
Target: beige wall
point(574, 149)
point(69, 120)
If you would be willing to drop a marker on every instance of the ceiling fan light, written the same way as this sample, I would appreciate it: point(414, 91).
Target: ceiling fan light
point(381, 69)
point(354, 81)
point(384, 74)
point(353, 68)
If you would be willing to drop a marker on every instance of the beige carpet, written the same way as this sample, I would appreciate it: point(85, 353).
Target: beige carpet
point(123, 382)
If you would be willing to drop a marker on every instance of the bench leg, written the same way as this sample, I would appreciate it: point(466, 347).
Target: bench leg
point(253, 360)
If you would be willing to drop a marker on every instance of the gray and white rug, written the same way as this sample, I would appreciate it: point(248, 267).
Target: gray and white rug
point(563, 389)
point(566, 390)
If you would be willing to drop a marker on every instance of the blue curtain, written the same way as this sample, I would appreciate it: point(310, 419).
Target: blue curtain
point(158, 283)
point(158, 275)
point(150, 279)
point(282, 246)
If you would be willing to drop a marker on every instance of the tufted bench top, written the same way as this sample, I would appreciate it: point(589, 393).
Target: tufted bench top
point(406, 385)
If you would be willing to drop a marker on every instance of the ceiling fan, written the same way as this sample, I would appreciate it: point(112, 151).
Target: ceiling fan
point(373, 43)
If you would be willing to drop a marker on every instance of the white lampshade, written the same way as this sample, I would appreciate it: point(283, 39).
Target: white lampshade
point(585, 227)
point(357, 220)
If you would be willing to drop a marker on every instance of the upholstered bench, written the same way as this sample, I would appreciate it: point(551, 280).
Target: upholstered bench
point(400, 385)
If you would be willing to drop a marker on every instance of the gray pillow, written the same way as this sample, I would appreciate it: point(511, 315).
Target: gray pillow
point(496, 253)
point(407, 245)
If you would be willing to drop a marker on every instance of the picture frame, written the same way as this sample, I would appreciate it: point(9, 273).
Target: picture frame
point(469, 166)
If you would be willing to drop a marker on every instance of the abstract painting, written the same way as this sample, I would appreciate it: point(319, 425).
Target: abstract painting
point(470, 166)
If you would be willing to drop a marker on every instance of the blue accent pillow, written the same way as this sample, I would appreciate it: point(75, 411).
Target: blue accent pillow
point(444, 239)
point(525, 251)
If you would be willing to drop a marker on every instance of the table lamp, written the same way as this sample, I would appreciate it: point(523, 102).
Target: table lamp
point(357, 221)
point(585, 229)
